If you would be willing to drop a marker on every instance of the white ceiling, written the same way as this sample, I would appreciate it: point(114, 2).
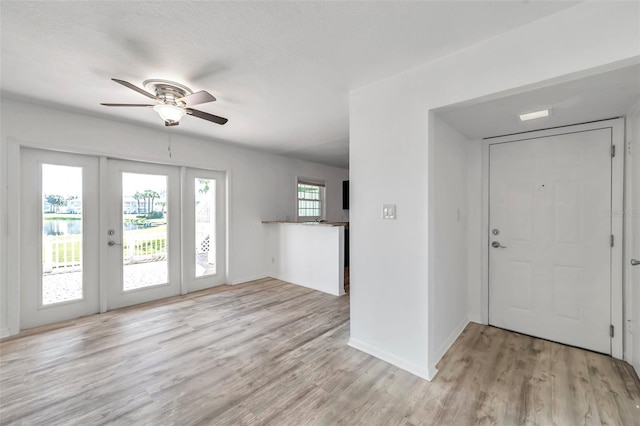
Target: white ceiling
point(606, 94)
point(281, 71)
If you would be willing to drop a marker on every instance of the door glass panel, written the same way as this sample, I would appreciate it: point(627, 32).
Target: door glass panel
point(205, 221)
point(145, 239)
point(61, 234)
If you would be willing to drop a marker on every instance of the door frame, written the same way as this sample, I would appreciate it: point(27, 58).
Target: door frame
point(189, 281)
point(632, 288)
point(33, 311)
point(617, 127)
point(118, 297)
point(14, 147)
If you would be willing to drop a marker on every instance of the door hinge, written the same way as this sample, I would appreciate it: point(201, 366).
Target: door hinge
point(612, 240)
point(611, 330)
point(613, 151)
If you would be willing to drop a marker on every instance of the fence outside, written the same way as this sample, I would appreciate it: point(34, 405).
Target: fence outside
point(63, 253)
point(138, 248)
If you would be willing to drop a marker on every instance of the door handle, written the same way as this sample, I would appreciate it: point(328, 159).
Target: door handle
point(496, 244)
point(113, 243)
point(635, 262)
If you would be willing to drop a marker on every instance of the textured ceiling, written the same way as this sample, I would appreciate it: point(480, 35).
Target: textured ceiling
point(281, 71)
point(600, 96)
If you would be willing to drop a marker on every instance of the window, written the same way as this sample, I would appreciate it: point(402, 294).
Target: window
point(310, 200)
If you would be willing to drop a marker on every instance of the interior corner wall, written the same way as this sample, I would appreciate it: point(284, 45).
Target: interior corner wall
point(261, 186)
point(388, 258)
point(448, 307)
point(475, 205)
point(389, 160)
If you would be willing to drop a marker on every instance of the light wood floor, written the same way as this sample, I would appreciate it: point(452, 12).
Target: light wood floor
point(267, 352)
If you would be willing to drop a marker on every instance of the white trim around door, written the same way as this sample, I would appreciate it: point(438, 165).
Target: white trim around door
point(103, 198)
point(143, 232)
point(203, 233)
point(616, 127)
point(59, 237)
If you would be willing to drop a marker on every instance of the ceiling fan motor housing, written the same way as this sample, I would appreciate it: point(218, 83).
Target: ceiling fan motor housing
point(175, 101)
point(168, 91)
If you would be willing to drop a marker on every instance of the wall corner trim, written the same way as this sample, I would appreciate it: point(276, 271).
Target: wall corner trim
point(447, 343)
point(415, 369)
point(477, 319)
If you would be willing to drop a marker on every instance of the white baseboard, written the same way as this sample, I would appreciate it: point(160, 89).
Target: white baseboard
point(447, 344)
point(4, 332)
point(412, 368)
point(324, 290)
point(476, 319)
point(246, 279)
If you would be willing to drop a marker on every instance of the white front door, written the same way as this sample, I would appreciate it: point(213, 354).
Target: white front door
point(59, 223)
point(203, 229)
point(550, 231)
point(143, 260)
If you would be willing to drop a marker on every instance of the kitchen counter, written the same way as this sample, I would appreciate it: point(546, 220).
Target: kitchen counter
point(309, 254)
point(345, 224)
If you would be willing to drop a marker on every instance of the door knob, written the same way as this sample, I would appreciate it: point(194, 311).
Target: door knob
point(113, 243)
point(496, 244)
point(635, 262)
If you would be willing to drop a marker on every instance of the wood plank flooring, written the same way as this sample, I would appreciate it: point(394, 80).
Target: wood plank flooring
point(269, 352)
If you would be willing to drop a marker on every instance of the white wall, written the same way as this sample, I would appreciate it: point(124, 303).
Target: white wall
point(448, 306)
point(474, 231)
point(389, 160)
point(261, 186)
point(308, 255)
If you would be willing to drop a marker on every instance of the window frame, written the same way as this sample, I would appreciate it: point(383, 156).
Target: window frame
point(322, 190)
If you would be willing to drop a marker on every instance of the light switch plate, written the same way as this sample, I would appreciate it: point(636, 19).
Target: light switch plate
point(388, 211)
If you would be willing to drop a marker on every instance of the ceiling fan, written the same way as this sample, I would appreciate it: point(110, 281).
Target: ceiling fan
point(174, 101)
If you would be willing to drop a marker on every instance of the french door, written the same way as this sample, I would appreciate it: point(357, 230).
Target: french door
point(205, 254)
point(59, 232)
point(143, 235)
point(99, 234)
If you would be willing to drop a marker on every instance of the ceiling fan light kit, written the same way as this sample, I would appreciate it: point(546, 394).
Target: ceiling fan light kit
point(170, 113)
point(174, 101)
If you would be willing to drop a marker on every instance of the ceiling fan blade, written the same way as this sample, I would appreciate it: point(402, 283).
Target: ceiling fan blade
point(136, 88)
point(206, 116)
point(128, 105)
point(201, 97)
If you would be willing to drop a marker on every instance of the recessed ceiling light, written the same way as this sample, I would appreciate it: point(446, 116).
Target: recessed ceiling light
point(535, 114)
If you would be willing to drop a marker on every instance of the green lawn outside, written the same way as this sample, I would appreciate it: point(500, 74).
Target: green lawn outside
point(67, 248)
point(61, 216)
point(160, 229)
